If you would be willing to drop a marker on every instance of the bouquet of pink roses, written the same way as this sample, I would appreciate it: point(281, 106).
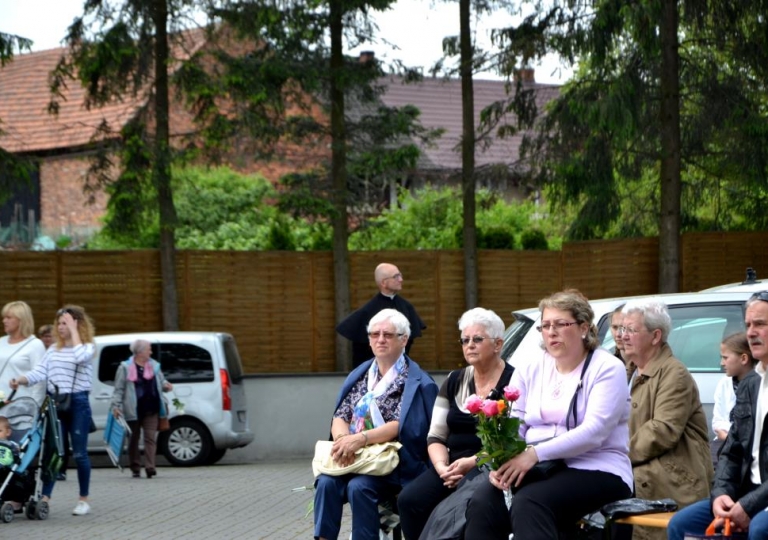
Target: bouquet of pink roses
point(498, 431)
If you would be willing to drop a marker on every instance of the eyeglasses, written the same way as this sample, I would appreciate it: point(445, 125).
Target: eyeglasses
point(385, 335)
point(762, 295)
point(396, 276)
point(557, 325)
point(629, 330)
point(477, 340)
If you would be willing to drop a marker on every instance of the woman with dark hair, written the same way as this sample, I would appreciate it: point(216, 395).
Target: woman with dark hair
point(67, 368)
point(574, 404)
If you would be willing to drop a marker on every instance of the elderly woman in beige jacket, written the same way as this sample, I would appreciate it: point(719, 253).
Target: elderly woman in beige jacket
point(668, 444)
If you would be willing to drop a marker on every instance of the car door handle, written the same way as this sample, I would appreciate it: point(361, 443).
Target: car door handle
point(103, 396)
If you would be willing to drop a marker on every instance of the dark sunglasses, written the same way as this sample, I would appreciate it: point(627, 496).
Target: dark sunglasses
point(72, 312)
point(762, 295)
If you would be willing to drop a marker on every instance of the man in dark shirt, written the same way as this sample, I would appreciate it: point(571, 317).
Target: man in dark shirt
point(389, 280)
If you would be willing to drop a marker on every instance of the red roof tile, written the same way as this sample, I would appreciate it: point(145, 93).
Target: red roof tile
point(25, 94)
point(439, 101)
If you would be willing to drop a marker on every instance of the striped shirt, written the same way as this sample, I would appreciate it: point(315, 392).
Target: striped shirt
point(69, 368)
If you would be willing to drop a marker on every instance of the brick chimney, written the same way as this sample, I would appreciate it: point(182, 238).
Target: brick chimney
point(366, 56)
point(525, 75)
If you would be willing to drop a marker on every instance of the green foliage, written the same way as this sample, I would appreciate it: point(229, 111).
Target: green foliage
point(432, 219)
point(221, 209)
point(534, 239)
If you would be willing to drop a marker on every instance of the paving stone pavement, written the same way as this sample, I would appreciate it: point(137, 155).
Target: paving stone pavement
point(221, 502)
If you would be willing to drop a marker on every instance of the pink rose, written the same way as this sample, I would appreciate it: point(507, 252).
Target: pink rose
point(473, 404)
point(511, 393)
point(490, 407)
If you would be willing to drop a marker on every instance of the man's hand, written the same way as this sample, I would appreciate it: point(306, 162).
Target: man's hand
point(739, 518)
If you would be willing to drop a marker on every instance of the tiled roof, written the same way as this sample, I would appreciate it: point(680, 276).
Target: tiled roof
point(24, 98)
point(439, 101)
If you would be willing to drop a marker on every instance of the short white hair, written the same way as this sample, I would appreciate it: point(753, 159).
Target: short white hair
point(485, 318)
point(139, 345)
point(397, 319)
point(654, 312)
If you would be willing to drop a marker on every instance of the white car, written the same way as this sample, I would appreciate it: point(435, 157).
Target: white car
point(207, 378)
point(700, 321)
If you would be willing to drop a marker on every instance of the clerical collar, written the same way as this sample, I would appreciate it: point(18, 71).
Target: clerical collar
point(390, 296)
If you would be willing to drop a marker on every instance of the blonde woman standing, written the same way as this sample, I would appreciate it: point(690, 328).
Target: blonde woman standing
point(20, 350)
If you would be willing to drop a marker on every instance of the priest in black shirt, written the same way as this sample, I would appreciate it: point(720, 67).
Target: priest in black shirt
point(390, 281)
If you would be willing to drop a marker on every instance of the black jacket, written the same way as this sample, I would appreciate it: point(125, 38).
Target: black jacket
point(732, 476)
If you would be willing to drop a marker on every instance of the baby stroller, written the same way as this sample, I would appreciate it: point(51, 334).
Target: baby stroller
point(38, 433)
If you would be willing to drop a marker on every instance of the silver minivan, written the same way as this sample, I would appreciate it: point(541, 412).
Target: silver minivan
point(207, 378)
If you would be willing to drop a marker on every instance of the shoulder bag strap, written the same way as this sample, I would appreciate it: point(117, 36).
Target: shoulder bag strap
point(572, 406)
point(29, 340)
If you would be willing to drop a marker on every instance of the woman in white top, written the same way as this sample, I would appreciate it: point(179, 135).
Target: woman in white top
point(20, 350)
point(67, 368)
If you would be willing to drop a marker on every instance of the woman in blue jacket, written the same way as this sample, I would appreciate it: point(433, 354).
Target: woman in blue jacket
point(139, 384)
point(384, 399)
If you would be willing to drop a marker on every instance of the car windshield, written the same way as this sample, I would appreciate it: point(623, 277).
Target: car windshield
point(515, 334)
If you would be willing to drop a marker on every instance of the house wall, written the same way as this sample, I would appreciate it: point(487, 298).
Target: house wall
point(64, 208)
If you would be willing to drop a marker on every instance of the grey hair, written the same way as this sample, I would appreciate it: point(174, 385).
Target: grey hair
point(139, 345)
point(485, 318)
point(655, 314)
point(397, 319)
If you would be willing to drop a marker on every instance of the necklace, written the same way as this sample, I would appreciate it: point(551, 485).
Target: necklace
point(484, 389)
point(559, 382)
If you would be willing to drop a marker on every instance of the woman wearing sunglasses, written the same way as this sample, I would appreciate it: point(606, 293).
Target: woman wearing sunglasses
point(574, 403)
point(452, 439)
point(67, 368)
point(384, 399)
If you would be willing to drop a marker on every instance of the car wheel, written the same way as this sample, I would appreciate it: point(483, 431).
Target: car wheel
point(216, 455)
point(187, 443)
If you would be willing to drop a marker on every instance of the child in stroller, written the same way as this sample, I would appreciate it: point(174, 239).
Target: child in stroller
point(36, 434)
point(9, 453)
point(9, 449)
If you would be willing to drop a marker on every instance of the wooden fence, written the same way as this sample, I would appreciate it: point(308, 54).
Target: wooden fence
point(279, 305)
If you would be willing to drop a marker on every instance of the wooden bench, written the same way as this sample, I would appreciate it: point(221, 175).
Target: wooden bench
point(660, 520)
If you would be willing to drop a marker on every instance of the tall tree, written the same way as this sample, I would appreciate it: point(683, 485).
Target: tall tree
point(294, 56)
point(123, 51)
point(471, 60)
point(623, 118)
point(468, 155)
point(13, 168)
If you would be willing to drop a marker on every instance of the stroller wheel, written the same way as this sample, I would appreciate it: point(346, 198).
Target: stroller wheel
point(29, 511)
point(41, 511)
point(6, 512)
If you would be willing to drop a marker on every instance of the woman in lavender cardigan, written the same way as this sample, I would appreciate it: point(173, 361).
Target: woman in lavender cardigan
point(594, 447)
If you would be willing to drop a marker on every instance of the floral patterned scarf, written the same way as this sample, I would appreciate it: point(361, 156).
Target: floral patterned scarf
point(367, 415)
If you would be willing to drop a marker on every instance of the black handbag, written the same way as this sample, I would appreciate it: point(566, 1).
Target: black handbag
point(541, 471)
point(63, 402)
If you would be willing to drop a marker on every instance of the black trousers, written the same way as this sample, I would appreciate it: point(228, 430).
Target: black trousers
point(417, 500)
point(544, 510)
